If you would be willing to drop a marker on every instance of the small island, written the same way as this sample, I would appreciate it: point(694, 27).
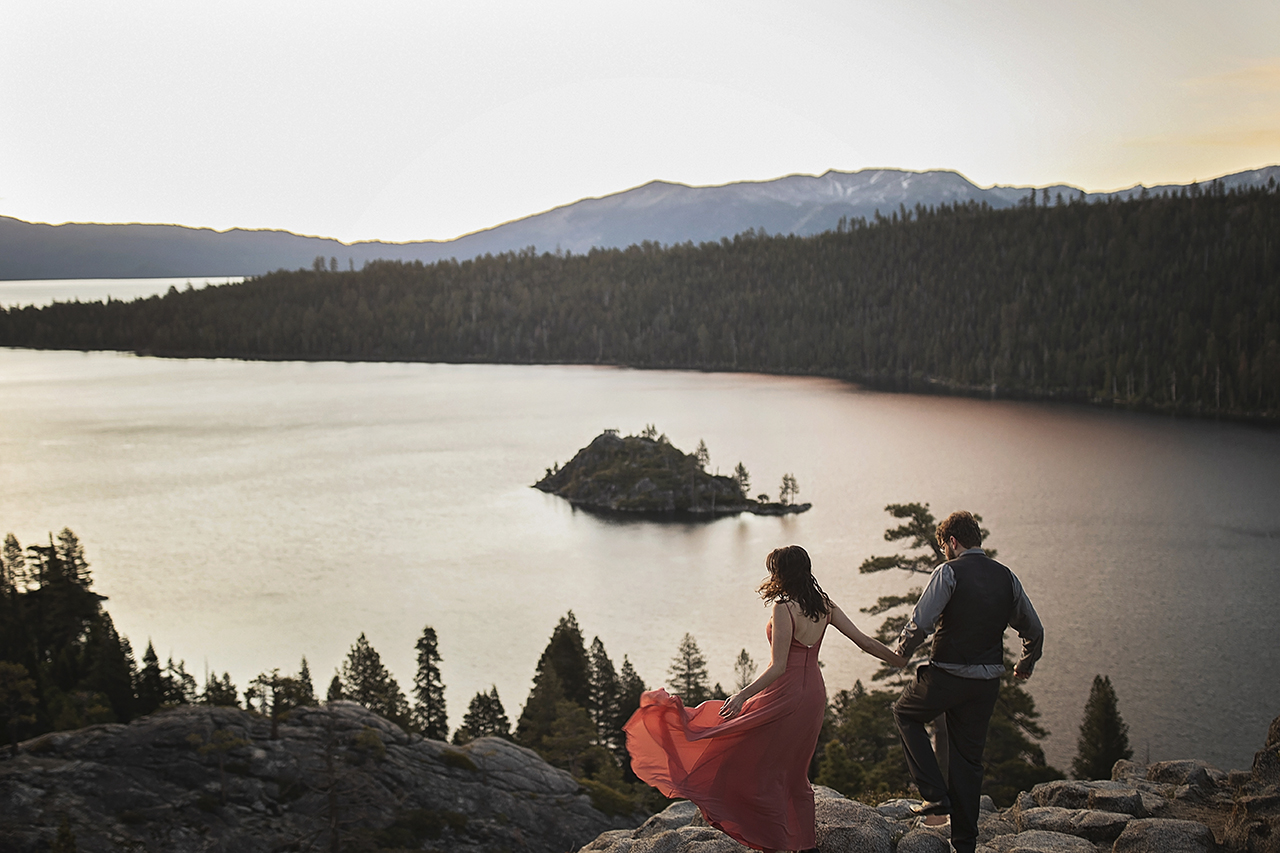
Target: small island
point(646, 475)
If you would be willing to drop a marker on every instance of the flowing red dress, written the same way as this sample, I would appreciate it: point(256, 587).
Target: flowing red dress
point(750, 775)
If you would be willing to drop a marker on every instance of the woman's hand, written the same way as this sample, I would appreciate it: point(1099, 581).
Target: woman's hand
point(896, 660)
point(732, 706)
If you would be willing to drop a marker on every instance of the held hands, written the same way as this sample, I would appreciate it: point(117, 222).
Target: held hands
point(732, 706)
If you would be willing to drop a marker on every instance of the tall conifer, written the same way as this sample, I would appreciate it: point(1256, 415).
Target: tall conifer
point(603, 700)
point(429, 714)
point(1104, 736)
point(367, 681)
point(689, 673)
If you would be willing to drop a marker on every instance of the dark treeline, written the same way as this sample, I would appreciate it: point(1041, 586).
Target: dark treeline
point(62, 663)
point(1166, 302)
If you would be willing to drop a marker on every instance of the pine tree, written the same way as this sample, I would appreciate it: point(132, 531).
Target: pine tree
point(306, 690)
point(429, 714)
point(630, 686)
point(1104, 736)
point(539, 712)
point(603, 699)
point(109, 667)
point(13, 566)
point(150, 690)
point(688, 673)
point(744, 670)
point(562, 674)
point(17, 701)
point(837, 771)
point(334, 693)
point(220, 691)
point(485, 717)
point(567, 653)
point(71, 555)
point(178, 685)
point(367, 681)
point(569, 739)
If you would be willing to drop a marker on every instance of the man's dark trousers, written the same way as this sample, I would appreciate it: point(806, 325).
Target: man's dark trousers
point(967, 704)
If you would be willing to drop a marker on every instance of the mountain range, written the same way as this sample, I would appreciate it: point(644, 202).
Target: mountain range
point(658, 211)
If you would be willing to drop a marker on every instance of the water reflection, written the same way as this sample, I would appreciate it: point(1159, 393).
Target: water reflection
point(243, 514)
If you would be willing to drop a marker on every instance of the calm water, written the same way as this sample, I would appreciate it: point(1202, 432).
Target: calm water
point(241, 515)
point(45, 292)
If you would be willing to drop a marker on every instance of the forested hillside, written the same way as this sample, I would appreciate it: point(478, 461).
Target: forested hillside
point(1169, 302)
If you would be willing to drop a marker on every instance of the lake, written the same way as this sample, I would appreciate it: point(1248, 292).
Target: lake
point(244, 514)
point(39, 292)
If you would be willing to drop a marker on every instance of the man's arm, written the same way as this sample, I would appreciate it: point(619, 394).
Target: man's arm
point(930, 606)
point(1026, 622)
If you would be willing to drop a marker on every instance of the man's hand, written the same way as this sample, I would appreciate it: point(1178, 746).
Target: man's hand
point(1021, 676)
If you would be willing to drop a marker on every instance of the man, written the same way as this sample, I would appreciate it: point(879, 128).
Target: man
point(971, 599)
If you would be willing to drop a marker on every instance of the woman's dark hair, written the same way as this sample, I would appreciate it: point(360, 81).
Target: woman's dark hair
point(791, 579)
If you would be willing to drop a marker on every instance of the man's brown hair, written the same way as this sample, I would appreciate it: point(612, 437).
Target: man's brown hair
point(961, 525)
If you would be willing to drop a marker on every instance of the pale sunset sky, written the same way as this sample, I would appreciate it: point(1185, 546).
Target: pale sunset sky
point(423, 120)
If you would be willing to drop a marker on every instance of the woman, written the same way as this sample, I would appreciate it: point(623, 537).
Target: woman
point(745, 762)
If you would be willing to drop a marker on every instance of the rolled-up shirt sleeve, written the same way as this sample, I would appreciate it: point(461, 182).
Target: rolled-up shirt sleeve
point(1026, 622)
point(942, 583)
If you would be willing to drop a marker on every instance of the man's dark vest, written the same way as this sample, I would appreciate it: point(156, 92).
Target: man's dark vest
point(971, 628)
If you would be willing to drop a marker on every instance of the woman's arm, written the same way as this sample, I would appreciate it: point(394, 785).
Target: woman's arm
point(779, 645)
point(870, 645)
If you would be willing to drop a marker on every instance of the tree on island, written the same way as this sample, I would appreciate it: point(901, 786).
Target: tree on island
point(429, 714)
point(1104, 736)
point(788, 490)
point(743, 479)
point(688, 673)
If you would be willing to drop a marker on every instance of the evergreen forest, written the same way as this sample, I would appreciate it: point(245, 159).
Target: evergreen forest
point(63, 666)
point(1166, 302)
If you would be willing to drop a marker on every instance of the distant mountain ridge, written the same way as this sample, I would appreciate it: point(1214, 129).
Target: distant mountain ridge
point(658, 211)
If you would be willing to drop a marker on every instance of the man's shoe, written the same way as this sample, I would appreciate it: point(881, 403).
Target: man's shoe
point(931, 808)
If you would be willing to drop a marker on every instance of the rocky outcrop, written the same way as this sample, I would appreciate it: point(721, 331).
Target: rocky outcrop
point(645, 476)
point(200, 778)
point(1166, 807)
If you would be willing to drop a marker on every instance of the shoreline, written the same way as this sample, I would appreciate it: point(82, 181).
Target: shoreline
point(932, 387)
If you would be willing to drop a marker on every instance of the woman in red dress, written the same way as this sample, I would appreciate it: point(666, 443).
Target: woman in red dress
point(745, 762)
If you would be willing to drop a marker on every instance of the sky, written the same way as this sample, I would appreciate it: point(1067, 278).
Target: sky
point(422, 120)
